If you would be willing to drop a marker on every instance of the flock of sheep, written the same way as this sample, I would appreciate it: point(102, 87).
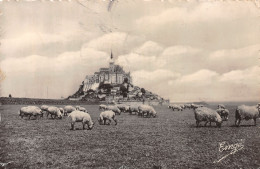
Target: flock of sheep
point(80, 114)
point(109, 112)
point(208, 115)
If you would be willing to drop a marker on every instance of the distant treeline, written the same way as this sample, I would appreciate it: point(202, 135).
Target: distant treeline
point(8, 100)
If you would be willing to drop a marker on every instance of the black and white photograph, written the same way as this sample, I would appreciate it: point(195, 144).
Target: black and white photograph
point(130, 84)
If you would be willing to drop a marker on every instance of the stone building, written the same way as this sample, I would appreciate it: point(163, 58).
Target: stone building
point(113, 75)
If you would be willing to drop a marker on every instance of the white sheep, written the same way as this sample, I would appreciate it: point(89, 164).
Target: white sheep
point(81, 109)
point(44, 108)
point(148, 110)
point(31, 111)
point(223, 113)
point(68, 109)
point(187, 106)
point(177, 107)
point(114, 108)
point(54, 112)
point(134, 108)
point(102, 107)
point(62, 111)
point(123, 107)
point(208, 115)
point(221, 106)
point(107, 115)
point(79, 116)
point(195, 106)
point(247, 113)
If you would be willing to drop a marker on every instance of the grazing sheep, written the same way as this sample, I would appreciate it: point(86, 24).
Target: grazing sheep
point(247, 113)
point(195, 106)
point(123, 108)
point(223, 113)
point(44, 108)
point(107, 115)
point(177, 107)
point(134, 108)
point(182, 106)
point(54, 112)
point(102, 107)
point(221, 106)
point(62, 111)
point(81, 109)
point(31, 111)
point(208, 115)
point(114, 108)
point(148, 110)
point(68, 109)
point(79, 116)
point(187, 106)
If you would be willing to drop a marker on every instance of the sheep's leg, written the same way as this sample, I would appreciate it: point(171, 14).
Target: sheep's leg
point(109, 121)
point(197, 123)
point(255, 121)
point(210, 123)
point(30, 117)
point(115, 120)
point(206, 123)
point(105, 121)
point(72, 126)
point(239, 120)
point(83, 125)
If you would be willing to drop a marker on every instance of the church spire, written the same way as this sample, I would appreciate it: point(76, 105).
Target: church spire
point(111, 56)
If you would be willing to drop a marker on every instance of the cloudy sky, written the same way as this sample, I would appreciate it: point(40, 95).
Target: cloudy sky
point(184, 51)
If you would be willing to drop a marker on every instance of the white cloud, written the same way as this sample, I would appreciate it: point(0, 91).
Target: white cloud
point(61, 74)
point(134, 61)
point(153, 77)
point(179, 50)
point(238, 85)
point(232, 59)
point(247, 76)
point(117, 41)
point(201, 77)
point(155, 81)
point(149, 48)
point(204, 12)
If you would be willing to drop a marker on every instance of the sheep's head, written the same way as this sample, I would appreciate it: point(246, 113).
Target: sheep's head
point(219, 124)
point(127, 108)
point(119, 111)
point(91, 125)
point(258, 107)
point(59, 114)
point(41, 112)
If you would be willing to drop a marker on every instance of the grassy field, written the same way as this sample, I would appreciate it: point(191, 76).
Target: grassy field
point(169, 141)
